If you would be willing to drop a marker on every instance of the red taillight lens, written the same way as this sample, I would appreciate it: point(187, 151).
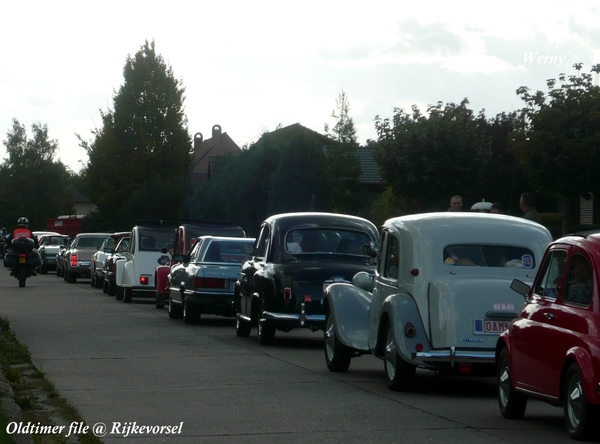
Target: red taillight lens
point(465, 368)
point(200, 282)
point(144, 280)
point(287, 295)
point(73, 260)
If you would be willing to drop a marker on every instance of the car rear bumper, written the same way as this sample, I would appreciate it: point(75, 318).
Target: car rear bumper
point(293, 320)
point(453, 355)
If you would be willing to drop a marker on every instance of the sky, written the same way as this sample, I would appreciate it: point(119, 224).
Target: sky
point(251, 66)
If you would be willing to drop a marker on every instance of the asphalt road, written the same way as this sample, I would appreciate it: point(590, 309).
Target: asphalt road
point(131, 364)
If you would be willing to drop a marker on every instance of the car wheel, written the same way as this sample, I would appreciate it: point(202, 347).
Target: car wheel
point(43, 269)
point(93, 279)
point(174, 310)
point(337, 355)
point(242, 327)
point(65, 274)
point(127, 294)
point(580, 416)
point(104, 286)
point(98, 282)
point(191, 312)
point(512, 404)
point(266, 333)
point(71, 277)
point(400, 374)
point(159, 300)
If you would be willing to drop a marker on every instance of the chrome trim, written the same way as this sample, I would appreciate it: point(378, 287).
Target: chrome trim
point(452, 355)
point(292, 317)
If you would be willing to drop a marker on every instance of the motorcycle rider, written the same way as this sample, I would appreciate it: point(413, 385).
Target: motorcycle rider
point(22, 230)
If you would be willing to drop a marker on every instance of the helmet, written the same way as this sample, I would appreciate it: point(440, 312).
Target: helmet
point(23, 222)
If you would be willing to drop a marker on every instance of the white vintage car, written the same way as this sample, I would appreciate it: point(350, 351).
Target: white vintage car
point(440, 295)
point(148, 248)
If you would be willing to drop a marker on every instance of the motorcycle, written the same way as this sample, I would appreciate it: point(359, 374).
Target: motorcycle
point(22, 260)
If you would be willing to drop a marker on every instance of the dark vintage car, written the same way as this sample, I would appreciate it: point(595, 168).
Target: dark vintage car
point(204, 281)
point(552, 350)
point(295, 257)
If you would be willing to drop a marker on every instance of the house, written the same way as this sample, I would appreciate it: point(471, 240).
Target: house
point(81, 203)
point(209, 153)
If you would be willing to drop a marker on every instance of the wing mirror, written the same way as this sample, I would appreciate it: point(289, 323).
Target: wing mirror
point(520, 287)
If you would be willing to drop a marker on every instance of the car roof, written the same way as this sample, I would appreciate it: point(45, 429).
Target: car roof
point(468, 228)
point(287, 221)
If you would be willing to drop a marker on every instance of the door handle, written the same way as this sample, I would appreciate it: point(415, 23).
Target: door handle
point(549, 315)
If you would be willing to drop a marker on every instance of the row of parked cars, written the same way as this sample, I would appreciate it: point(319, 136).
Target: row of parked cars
point(460, 293)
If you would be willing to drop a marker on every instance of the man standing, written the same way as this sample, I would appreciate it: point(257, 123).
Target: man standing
point(527, 206)
point(456, 203)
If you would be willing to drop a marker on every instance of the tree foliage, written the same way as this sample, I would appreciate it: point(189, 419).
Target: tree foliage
point(33, 184)
point(143, 147)
point(283, 171)
point(434, 155)
point(558, 138)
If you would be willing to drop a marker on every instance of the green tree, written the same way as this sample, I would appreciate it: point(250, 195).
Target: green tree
point(428, 158)
point(558, 137)
point(34, 184)
point(342, 166)
point(143, 147)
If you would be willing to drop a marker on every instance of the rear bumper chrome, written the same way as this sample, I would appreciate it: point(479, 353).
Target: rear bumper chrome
point(453, 355)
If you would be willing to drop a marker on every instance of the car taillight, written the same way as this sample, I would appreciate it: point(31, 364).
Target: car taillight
point(144, 280)
point(202, 282)
point(73, 260)
point(409, 330)
point(287, 295)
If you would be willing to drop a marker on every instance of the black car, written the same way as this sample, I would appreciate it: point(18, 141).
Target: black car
point(295, 257)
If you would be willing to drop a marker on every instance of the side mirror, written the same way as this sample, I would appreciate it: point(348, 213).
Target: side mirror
point(520, 287)
point(180, 257)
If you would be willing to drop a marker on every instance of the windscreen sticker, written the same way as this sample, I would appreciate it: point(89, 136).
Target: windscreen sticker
point(527, 261)
point(164, 260)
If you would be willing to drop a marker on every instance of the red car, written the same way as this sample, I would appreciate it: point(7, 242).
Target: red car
point(552, 350)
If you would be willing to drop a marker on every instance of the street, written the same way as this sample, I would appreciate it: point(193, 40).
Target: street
point(157, 380)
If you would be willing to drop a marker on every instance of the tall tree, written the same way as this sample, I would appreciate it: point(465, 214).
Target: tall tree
point(143, 146)
point(342, 163)
point(558, 138)
point(33, 184)
point(427, 158)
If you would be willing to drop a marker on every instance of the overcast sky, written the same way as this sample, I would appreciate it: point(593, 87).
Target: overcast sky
point(252, 65)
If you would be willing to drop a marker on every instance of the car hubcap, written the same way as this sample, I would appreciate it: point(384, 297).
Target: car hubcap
point(390, 356)
point(504, 384)
point(329, 339)
point(575, 401)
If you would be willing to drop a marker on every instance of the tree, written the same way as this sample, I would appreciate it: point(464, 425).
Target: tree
point(428, 158)
point(143, 146)
point(342, 164)
point(558, 136)
point(33, 184)
point(343, 130)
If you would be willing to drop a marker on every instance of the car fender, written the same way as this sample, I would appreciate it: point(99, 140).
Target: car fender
point(120, 272)
point(162, 279)
point(583, 359)
point(410, 334)
point(263, 288)
point(349, 307)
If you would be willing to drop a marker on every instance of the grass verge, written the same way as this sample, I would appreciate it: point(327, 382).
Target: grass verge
point(37, 397)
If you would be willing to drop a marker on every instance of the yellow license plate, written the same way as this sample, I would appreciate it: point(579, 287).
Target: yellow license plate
point(22, 260)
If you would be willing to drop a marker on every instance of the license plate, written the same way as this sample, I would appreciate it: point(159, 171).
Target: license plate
point(22, 260)
point(85, 263)
point(487, 327)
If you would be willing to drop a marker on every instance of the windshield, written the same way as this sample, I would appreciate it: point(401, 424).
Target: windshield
point(488, 256)
point(325, 240)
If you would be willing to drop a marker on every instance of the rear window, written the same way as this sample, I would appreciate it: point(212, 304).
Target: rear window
point(228, 251)
point(488, 256)
point(90, 242)
point(325, 240)
point(155, 240)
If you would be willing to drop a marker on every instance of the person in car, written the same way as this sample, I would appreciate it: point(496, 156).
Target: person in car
point(581, 284)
